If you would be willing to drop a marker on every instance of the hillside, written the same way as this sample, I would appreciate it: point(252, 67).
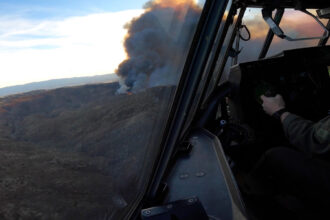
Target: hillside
point(57, 83)
point(76, 153)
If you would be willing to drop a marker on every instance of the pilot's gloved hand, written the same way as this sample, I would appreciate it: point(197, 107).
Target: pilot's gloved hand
point(272, 104)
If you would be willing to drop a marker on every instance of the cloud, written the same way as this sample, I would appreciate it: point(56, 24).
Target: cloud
point(36, 50)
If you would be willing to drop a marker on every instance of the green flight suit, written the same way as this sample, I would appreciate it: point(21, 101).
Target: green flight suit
point(307, 136)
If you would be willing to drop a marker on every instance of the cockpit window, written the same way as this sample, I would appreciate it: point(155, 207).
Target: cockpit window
point(85, 92)
point(294, 23)
point(297, 24)
point(258, 29)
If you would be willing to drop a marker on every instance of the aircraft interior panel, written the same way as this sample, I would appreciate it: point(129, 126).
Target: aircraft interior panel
point(301, 76)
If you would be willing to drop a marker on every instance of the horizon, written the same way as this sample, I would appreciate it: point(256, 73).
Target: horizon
point(67, 78)
point(52, 84)
point(41, 41)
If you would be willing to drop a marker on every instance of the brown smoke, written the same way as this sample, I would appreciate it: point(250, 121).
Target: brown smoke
point(156, 44)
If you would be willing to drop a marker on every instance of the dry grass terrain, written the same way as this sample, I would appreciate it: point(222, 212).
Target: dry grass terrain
point(76, 153)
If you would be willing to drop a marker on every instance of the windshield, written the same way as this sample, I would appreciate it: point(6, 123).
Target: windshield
point(294, 23)
point(85, 92)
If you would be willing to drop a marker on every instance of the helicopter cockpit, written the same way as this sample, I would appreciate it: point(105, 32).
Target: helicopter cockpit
point(227, 130)
point(301, 76)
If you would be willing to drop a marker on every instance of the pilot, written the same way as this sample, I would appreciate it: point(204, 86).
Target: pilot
point(309, 137)
point(302, 170)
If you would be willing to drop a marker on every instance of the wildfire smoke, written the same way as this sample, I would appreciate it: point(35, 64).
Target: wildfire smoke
point(156, 44)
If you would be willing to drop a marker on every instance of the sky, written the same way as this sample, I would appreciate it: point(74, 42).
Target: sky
point(41, 40)
point(51, 39)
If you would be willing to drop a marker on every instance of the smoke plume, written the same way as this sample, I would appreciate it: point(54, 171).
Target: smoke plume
point(156, 44)
point(158, 41)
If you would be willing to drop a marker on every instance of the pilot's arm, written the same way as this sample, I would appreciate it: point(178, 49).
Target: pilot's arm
point(306, 135)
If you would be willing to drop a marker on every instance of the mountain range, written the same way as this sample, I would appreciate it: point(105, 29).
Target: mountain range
point(57, 83)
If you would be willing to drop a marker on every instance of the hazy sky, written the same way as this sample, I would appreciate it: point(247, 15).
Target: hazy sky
point(49, 39)
point(42, 40)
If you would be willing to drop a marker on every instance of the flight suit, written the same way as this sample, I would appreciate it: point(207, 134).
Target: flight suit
point(303, 172)
point(306, 136)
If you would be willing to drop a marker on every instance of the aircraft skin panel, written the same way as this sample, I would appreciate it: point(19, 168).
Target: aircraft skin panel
point(288, 3)
point(205, 173)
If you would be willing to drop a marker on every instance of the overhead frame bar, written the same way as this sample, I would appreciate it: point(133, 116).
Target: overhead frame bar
point(230, 41)
point(221, 49)
point(324, 41)
point(270, 35)
point(222, 52)
point(310, 4)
